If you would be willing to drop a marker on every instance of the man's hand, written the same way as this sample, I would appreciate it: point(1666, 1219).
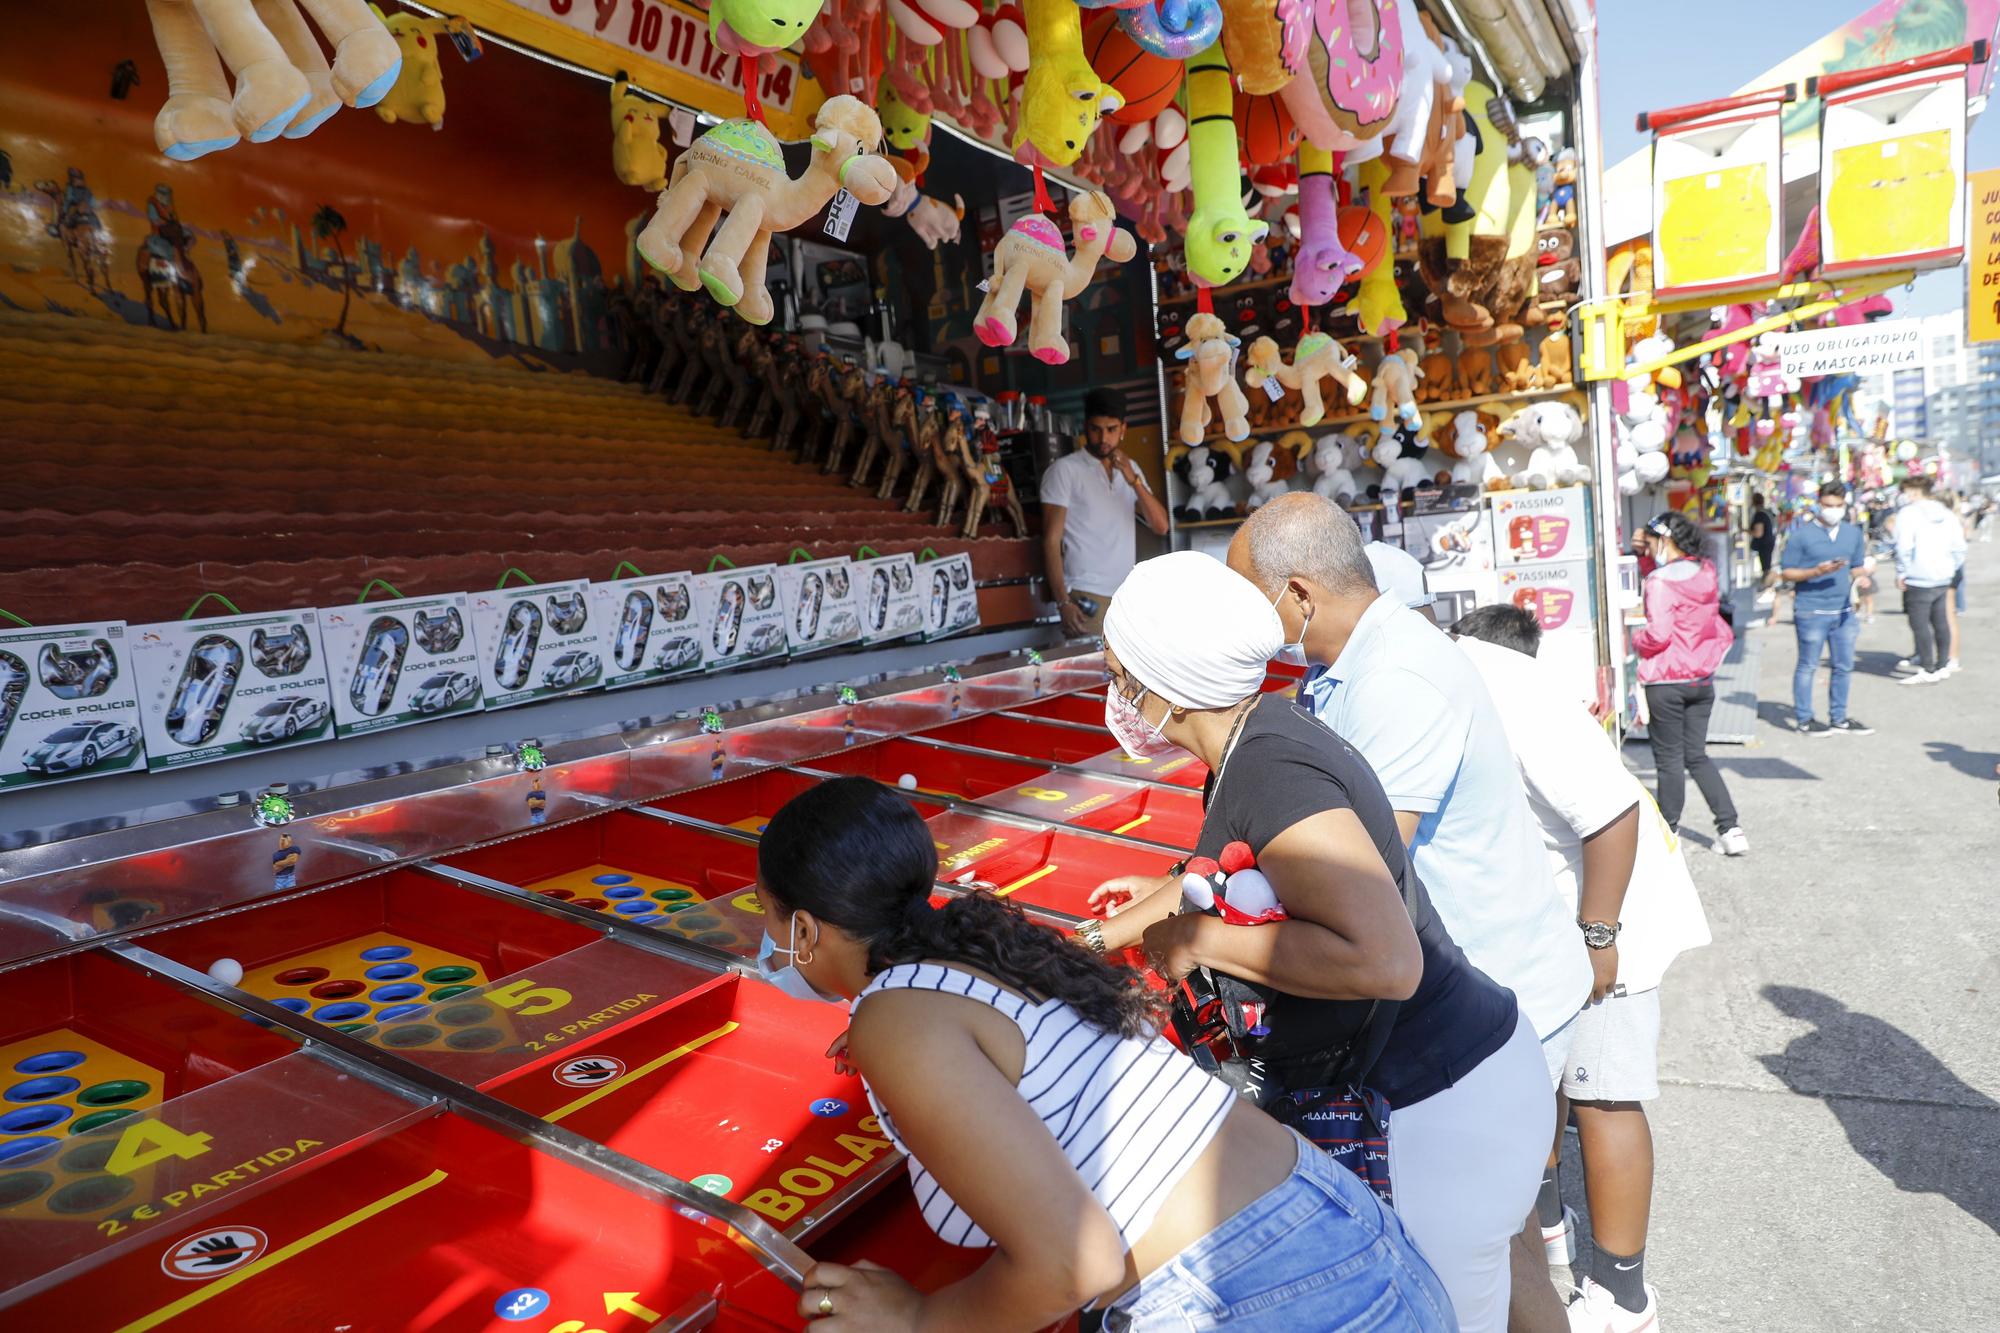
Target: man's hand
point(1603, 972)
point(1073, 620)
point(1126, 467)
point(1828, 566)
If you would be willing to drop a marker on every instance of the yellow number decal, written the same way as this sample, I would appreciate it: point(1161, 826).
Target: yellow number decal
point(747, 902)
point(1044, 794)
point(529, 998)
point(1133, 759)
point(152, 1141)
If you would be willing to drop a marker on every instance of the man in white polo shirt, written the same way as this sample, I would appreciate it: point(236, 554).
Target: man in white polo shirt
point(1089, 498)
point(1389, 682)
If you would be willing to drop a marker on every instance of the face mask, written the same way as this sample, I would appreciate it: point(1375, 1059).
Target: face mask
point(1294, 653)
point(1136, 736)
point(788, 978)
point(1832, 514)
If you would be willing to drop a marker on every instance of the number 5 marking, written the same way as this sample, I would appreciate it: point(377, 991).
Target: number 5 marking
point(529, 998)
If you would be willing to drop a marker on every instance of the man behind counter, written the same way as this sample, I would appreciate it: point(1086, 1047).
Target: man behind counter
point(1089, 499)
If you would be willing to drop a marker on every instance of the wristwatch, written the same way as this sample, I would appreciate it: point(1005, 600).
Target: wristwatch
point(1598, 935)
point(1091, 932)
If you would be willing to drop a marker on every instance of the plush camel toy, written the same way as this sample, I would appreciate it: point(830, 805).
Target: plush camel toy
point(283, 82)
point(1317, 356)
point(1031, 256)
point(736, 172)
point(1211, 356)
point(1396, 386)
point(636, 153)
point(418, 93)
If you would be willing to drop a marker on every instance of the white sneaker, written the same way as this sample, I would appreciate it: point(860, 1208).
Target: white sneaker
point(1560, 1241)
point(1948, 669)
point(1922, 678)
point(1906, 664)
point(1733, 842)
point(1766, 598)
point(1595, 1311)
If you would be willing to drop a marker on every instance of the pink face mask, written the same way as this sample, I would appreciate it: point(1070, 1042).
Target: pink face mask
point(1139, 738)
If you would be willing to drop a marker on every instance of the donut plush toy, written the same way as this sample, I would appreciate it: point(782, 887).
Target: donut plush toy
point(1358, 64)
point(1063, 97)
point(1219, 232)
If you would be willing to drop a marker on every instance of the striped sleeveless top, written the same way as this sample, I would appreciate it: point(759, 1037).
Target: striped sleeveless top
point(1131, 1114)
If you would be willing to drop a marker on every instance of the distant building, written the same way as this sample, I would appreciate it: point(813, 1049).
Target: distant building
point(1953, 399)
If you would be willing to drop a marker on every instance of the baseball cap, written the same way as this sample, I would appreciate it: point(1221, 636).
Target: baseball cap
point(1397, 571)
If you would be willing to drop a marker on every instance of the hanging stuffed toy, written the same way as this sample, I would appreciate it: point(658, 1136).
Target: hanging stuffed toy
point(1172, 29)
point(1324, 265)
point(1396, 387)
point(906, 128)
point(1211, 357)
point(637, 155)
point(752, 27)
point(1202, 471)
point(1356, 72)
point(1063, 97)
point(1317, 356)
point(283, 82)
point(1031, 256)
point(418, 93)
point(737, 170)
point(1378, 302)
point(1265, 42)
point(925, 22)
point(1337, 459)
point(936, 222)
point(1425, 70)
point(1219, 232)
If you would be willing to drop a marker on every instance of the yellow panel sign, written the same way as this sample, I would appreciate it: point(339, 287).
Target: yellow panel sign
point(1982, 303)
point(663, 45)
point(1715, 227)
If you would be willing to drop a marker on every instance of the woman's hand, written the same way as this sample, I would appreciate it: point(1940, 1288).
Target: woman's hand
point(1170, 945)
point(1130, 903)
point(863, 1298)
point(838, 1054)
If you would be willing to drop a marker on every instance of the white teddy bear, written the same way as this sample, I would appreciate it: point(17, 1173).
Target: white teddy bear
point(1550, 432)
point(1337, 460)
point(1262, 474)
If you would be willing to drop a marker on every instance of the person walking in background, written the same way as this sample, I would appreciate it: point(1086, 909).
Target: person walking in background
point(1763, 545)
point(1680, 644)
point(1089, 498)
point(1930, 552)
point(1822, 554)
point(1636, 905)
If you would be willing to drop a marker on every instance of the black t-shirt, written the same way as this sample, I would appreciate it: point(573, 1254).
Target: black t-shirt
point(1769, 541)
point(1287, 767)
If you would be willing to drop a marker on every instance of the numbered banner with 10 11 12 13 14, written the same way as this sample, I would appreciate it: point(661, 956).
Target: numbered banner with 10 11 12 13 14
point(663, 45)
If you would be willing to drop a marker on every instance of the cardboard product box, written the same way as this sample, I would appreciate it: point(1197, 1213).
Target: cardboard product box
point(400, 662)
point(951, 598)
point(651, 628)
point(538, 641)
point(1542, 527)
point(1559, 595)
point(212, 688)
point(891, 603)
point(69, 704)
point(822, 604)
point(740, 615)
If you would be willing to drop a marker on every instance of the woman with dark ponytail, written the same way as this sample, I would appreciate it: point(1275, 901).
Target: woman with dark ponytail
point(1047, 1120)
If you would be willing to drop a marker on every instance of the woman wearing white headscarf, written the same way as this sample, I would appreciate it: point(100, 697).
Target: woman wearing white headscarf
point(1360, 982)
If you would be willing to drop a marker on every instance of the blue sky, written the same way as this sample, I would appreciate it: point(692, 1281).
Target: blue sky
point(1711, 48)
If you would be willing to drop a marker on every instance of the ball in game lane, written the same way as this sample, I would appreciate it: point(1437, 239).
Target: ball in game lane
point(1147, 82)
point(908, 782)
point(1265, 132)
point(227, 971)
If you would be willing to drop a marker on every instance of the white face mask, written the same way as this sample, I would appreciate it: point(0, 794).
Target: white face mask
point(788, 978)
point(1832, 514)
point(1294, 653)
point(1136, 736)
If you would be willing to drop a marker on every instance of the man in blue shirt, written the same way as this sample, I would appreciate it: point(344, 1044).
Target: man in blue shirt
point(1822, 555)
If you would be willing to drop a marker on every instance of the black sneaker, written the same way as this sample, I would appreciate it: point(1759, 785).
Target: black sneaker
point(1852, 727)
point(1815, 728)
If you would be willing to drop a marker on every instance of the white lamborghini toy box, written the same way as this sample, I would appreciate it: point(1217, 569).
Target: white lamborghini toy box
point(69, 704)
point(822, 604)
point(212, 688)
point(400, 662)
point(652, 629)
point(537, 641)
point(951, 599)
point(740, 615)
point(891, 603)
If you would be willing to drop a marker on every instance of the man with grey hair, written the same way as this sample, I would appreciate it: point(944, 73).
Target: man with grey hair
point(1390, 683)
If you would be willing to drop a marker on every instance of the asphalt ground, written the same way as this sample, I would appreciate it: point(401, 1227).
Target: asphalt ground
point(1828, 1131)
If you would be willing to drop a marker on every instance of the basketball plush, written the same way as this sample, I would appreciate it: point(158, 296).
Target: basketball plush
point(1363, 235)
point(1147, 82)
point(1264, 129)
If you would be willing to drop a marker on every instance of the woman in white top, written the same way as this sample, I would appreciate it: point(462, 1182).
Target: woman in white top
point(1047, 1119)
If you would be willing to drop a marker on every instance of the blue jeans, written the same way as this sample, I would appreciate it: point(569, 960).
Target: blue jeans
point(1816, 629)
point(1319, 1252)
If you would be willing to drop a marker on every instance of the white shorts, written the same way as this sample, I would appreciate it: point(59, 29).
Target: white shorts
point(1555, 1051)
point(1614, 1055)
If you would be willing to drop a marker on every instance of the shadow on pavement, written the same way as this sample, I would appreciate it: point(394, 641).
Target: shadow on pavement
point(1876, 662)
point(1848, 1048)
point(1780, 769)
point(1973, 763)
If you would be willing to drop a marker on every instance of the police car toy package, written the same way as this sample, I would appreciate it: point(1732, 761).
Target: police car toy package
point(69, 704)
point(652, 632)
point(400, 662)
point(741, 616)
point(212, 688)
point(891, 601)
point(951, 599)
point(537, 641)
point(822, 604)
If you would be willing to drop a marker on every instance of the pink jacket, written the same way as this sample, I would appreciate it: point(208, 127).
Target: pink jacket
point(1685, 636)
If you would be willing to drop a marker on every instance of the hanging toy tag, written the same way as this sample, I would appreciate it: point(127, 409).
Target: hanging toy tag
point(985, 284)
point(840, 214)
point(1272, 389)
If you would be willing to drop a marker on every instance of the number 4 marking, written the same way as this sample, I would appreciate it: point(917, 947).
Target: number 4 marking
point(152, 1141)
